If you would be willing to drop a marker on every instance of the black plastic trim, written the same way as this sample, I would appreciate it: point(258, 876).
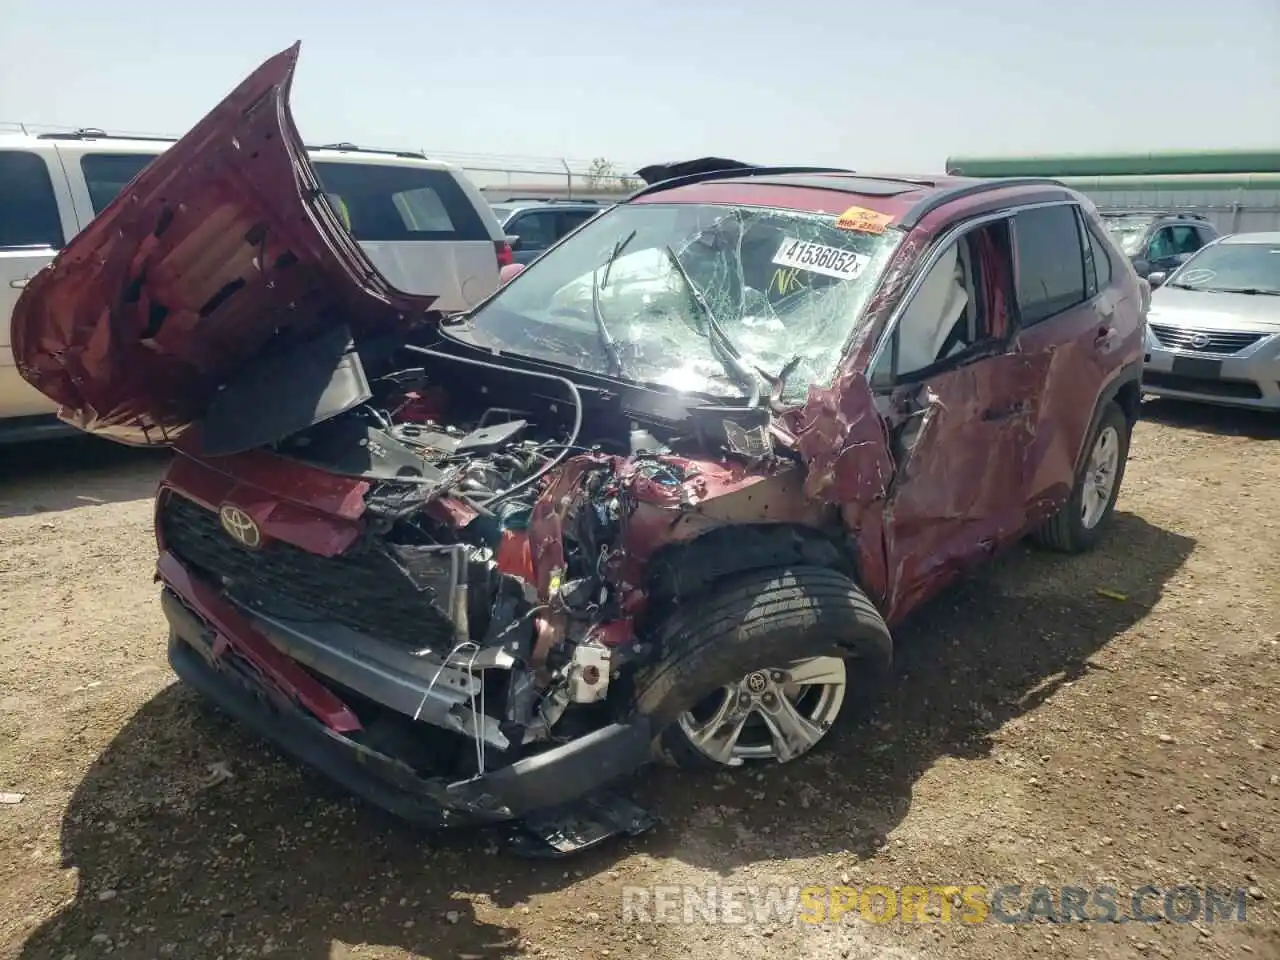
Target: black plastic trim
point(553, 778)
point(946, 195)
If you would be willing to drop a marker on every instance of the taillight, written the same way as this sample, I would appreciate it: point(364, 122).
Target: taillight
point(505, 255)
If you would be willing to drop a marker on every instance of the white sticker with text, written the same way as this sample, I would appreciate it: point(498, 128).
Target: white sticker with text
point(816, 258)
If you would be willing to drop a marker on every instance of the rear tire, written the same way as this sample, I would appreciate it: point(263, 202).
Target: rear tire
point(760, 643)
point(1083, 519)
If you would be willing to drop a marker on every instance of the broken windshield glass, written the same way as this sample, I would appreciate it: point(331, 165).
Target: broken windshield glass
point(779, 285)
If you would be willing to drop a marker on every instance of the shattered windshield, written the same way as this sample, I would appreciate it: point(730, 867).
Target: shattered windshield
point(694, 297)
point(1128, 232)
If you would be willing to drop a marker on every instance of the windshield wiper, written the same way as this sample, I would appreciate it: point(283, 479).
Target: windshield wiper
point(1251, 291)
point(721, 345)
point(598, 279)
point(606, 339)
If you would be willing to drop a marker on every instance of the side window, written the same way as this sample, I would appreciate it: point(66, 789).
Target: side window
point(28, 207)
point(536, 231)
point(1050, 276)
point(1097, 262)
point(1162, 245)
point(1185, 239)
point(571, 221)
point(1101, 258)
point(957, 311)
point(383, 203)
point(422, 211)
point(106, 174)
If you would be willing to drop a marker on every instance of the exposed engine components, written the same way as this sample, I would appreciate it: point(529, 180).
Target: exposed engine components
point(588, 673)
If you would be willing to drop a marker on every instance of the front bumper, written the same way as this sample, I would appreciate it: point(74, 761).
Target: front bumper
point(1250, 378)
point(212, 648)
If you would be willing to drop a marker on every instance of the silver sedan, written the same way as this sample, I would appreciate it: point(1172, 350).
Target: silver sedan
point(1213, 330)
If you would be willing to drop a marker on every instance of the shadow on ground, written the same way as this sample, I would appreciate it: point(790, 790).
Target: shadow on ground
point(273, 857)
point(79, 471)
point(1224, 421)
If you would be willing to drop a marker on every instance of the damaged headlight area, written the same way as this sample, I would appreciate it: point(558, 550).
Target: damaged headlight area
point(456, 652)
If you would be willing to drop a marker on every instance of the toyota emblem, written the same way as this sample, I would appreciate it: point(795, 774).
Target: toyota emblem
point(1200, 341)
point(240, 526)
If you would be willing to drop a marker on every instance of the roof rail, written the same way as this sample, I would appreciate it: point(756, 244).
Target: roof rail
point(96, 133)
point(584, 200)
point(946, 195)
point(1148, 212)
point(729, 174)
point(347, 147)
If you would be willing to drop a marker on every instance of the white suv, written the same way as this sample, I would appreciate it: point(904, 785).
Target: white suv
point(425, 226)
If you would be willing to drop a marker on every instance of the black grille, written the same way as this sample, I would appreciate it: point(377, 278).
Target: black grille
point(363, 589)
point(1204, 341)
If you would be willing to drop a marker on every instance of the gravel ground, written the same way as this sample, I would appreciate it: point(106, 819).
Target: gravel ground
point(1039, 732)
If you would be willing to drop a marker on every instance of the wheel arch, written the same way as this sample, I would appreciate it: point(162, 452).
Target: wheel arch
point(689, 569)
point(1125, 389)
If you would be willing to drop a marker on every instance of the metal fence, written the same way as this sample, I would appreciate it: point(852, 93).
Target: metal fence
point(499, 176)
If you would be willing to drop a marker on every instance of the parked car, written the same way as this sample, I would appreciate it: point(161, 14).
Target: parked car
point(422, 222)
point(657, 498)
point(533, 226)
point(1215, 325)
point(1156, 242)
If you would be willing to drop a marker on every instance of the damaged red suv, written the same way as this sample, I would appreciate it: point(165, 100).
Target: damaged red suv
point(659, 496)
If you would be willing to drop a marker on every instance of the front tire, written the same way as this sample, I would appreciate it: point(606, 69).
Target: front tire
point(1083, 519)
point(758, 669)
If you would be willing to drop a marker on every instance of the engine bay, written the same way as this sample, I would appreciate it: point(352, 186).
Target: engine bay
point(459, 453)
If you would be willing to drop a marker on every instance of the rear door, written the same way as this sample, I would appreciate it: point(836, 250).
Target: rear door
point(97, 170)
point(419, 225)
point(1067, 313)
point(36, 220)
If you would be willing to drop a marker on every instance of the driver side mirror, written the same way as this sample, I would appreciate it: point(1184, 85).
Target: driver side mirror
point(1157, 278)
point(1143, 267)
point(513, 241)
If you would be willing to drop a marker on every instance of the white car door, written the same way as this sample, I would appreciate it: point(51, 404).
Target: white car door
point(36, 220)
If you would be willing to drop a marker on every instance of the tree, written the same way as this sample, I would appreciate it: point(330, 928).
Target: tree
point(603, 174)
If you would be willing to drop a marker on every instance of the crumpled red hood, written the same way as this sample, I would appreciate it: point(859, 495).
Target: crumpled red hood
point(222, 248)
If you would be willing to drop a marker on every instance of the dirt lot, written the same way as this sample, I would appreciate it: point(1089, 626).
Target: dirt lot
point(1038, 732)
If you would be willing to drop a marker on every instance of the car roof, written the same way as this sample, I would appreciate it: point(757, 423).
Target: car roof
point(1269, 236)
point(907, 198)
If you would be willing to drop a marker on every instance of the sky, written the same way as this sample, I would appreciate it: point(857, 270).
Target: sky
point(879, 86)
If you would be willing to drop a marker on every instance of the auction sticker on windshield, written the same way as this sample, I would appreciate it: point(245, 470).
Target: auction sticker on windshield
point(816, 258)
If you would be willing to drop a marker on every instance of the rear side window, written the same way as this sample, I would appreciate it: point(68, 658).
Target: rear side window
point(28, 208)
point(1097, 262)
point(386, 204)
point(570, 221)
point(106, 174)
point(536, 231)
point(1050, 262)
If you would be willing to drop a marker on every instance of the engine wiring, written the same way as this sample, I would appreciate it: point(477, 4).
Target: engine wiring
point(578, 409)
